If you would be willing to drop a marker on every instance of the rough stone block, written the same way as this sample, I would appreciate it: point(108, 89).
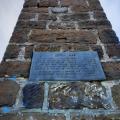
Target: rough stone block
point(95, 5)
point(33, 95)
point(77, 95)
point(16, 68)
point(20, 35)
point(112, 70)
point(113, 50)
point(116, 95)
point(108, 36)
point(47, 17)
point(99, 15)
point(63, 36)
point(69, 47)
point(31, 24)
point(26, 16)
point(29, 51)
point(78, 116)
point(8, 92)
point(35, 10)
point(73, 3)
point(12, 51)
point(94, 24)
point(62, 25)
point(41, 3)
point(32, 116)
point(75, 17)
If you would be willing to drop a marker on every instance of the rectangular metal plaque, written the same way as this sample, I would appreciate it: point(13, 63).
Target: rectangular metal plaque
point(66, 66)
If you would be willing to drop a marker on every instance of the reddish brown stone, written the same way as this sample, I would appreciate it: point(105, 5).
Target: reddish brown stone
point(108, 36)
point(75, 17)
point(94, 24)
point(116, 94)
point(31, 24)
point(16, 68)
point(63, 36)
point(12, 51)
point(113, 50)
point(32, 16)
point(41, 3)
point(20, 35)
point(112, 70)
point(33, 116)
point(8, 92)
point(35, 10)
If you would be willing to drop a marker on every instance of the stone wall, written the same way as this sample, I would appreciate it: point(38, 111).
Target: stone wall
point(60, 25)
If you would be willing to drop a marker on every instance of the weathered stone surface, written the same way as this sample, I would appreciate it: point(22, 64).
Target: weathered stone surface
point(78, 116)
point(35, 10)
point(32, 116)
point(12, 51)
point(16, 68)
point(62, 25)
point(31, 24)
point(62, 36)
point(75, 17)
point(77, 6)
point(43, 3)
point(112, 70)
point(58, 10)
point(113, 50)
point(99, 15)
point(29, 51)
point(116, 94)
point(36, 16)
point(94, 24)
point(95, 5)
point(27, 16)
point(108, 36)
point(20, 35)
point(69, 47)
point(77, 95)
point(8, 92)
point(33, 95)
point(47, 17)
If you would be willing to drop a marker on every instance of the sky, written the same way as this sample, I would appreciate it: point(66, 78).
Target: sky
point(10, 10)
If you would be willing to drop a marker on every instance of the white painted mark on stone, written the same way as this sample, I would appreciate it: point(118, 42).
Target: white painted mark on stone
point(76, 26)
point(47, 25)
point(87, 3)
point(46, 103)
point(29, 34)
point(67, 114)
point(21, 56)
point(91, 15)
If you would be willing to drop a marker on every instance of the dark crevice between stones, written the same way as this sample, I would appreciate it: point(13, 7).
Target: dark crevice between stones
point(38, 5)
